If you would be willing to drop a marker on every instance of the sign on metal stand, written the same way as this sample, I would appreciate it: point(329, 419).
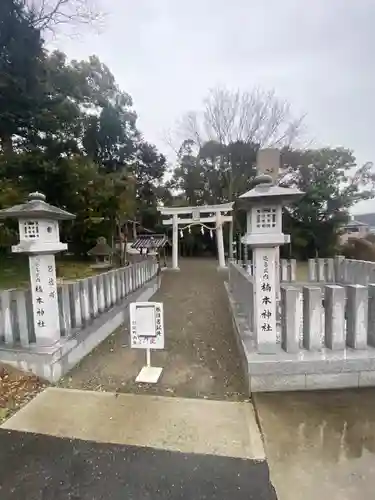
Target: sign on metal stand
point(147, 332)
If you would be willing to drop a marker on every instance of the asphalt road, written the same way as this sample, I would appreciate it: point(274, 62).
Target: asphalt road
point(40, 467)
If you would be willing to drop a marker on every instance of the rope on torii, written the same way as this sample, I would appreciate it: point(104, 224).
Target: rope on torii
point(188, 226)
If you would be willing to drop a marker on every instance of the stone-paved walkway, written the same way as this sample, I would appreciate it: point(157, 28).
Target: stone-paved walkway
point(200, 358)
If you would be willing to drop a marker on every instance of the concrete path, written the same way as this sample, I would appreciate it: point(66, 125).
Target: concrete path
point(93, 445)
point(187, 425)
point(320, 444)
point(200, 357)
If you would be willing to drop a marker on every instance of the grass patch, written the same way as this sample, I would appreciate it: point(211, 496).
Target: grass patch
point(14, 270)
point(302, 272)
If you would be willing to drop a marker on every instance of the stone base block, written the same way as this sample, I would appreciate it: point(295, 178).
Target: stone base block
point(270, 383)
point(311, 382)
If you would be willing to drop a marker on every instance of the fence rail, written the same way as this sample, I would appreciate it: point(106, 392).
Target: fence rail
point(79, 302)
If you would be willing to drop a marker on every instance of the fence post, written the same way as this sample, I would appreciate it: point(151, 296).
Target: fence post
point(131, 278)
point(293, 270)
point(112, 275)
point(93, 293)
point(85, 302)
point(143, 273)
point(371, 315)
point(64, 306)
point(357, 316)
point(138, 274)
point(290, 318)
point(339, 269)
point(312, 270)
point(284, 270)
point(334, 306)
point(372, 276)
point(312, 318)
point(21, 317)
point(330, 271)
point(5, 317)
point(123, 282)
point(107, 290)
point(118, 284)
point(127, 281)
point(101, 293)
point(75, 304)
point(321, 269)
point(361, 277)
point(135, 276)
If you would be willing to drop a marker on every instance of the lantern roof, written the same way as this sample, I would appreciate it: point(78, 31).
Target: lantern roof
point(37, 208)
point(265, 191)
point(101, 249)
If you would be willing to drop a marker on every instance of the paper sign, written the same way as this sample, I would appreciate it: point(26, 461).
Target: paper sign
point(145, 321)
point(146, 325)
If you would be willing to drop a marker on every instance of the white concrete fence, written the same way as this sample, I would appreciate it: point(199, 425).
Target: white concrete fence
point(325, 331)
point(312, 317)
point(338, 321)
point(80, 303)
point(341, 270)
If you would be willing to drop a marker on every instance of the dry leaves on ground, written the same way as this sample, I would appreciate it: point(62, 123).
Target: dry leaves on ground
point(16, 388)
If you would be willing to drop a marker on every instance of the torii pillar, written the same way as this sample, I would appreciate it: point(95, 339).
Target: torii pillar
point(175, 243)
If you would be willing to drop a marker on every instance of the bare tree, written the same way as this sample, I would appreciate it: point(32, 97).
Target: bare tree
point(255, 116)
point(258, 117)
point(48, 14)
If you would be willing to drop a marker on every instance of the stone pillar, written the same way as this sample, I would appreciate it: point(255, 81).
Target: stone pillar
point(264, 260)
point(220, 241)
point(44, 299)
point(175, 243)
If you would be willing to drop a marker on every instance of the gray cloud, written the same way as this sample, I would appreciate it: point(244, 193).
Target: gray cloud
point(318, 54)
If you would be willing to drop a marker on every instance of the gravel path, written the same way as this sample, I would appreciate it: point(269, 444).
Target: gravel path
point(201, 357)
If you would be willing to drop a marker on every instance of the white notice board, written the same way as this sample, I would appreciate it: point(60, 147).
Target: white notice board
point(146, 325)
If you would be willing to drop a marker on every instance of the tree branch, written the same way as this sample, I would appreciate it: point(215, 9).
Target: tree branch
point(48, 14)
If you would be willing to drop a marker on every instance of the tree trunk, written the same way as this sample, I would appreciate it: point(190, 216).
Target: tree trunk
point(122, 247)
point(7, 144)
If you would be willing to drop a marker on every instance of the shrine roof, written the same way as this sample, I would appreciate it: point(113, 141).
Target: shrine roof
point(150, 241)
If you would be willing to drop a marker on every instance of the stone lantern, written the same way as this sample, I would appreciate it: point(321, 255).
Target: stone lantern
point(102, 253)
point(39, 235)
point(263, 204)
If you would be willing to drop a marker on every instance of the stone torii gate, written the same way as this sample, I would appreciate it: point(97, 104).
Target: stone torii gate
point(198, 216)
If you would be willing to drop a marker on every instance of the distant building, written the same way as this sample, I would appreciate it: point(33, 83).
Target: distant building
point(368, 219)
point(355, 228)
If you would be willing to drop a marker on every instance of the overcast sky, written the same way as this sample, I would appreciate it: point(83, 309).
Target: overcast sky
point(318, 54)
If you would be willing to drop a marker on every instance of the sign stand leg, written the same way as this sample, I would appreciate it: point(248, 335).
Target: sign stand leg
point(149, 374)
